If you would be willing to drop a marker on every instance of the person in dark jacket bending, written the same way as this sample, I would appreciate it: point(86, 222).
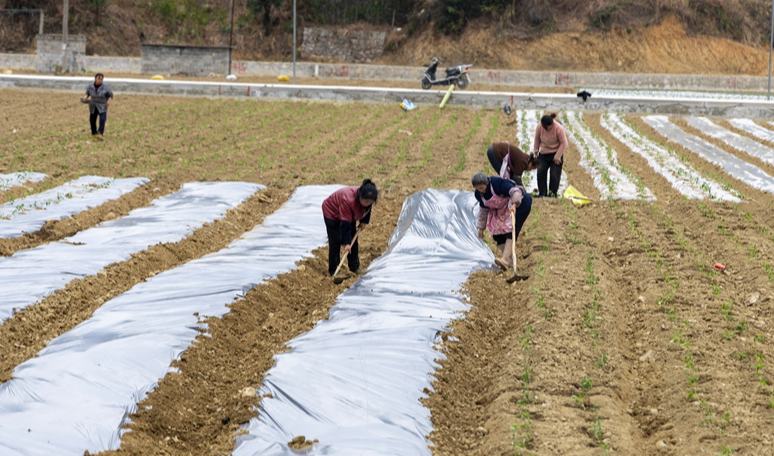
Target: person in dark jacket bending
point(498, 198)
point(342, 211)
point(509, 162)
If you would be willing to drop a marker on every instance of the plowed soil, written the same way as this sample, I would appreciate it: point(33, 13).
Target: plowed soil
point(624, 339)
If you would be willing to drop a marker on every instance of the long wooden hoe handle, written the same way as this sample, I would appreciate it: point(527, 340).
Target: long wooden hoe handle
point(513, 239)
point(344, 257)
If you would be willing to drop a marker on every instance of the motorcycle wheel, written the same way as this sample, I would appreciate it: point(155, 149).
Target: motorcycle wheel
point(426, 84)
point(463, 82)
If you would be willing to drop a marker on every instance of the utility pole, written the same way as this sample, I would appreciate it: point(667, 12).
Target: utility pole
point(65, 35)
point(231, 37)
point(771, 45)
point(66, 18)
point(294, 38)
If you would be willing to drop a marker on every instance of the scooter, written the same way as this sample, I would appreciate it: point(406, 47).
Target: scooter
point(457, 75)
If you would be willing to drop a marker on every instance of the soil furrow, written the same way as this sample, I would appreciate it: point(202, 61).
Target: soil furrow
point(199, 409)
point(727, 125)
point(59, 229)
point(680, 122)
point(28, 331)
point(661, 188)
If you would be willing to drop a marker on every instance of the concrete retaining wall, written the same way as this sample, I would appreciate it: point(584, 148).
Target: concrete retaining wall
point(404, 73)
point(104, 64)
point(188, 60)
point(728, 108)
point(18, 61)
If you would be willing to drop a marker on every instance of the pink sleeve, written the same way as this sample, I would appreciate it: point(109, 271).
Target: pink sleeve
point(482, 215)
point(536, 144)
point(562, 142)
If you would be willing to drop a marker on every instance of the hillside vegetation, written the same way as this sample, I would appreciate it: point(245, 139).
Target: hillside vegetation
point(715, 36)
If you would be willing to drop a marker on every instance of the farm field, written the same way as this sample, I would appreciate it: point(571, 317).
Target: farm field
point(625, 339)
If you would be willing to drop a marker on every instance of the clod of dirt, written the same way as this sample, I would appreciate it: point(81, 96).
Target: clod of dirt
point(300, 443)
point(647, 357)
point(662, 445)
point(753, 298)
point(247, 392)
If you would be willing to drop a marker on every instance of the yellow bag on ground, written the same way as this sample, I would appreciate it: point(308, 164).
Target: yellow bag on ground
point(578, 199)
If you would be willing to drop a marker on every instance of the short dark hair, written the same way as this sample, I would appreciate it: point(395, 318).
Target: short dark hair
point(99, 75)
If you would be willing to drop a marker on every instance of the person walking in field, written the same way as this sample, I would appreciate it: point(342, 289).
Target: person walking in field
point(509, 162)
point(342, 211)
point(98, 96)
point(549, 148)
point(497, 199)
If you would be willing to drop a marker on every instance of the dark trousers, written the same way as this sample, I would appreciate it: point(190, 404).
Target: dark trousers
point(333, 227)
point(497, 164)
point(93, 122)
point(546, 163)
point(522, 212)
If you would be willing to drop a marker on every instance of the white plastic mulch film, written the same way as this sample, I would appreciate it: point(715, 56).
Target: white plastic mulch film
point(601, 162)
point(684, 178)
point(29, 214)
point(526, 124)
point(738, 169)
point(80, 389)
point(20, 178)
point(677, 95)
point(749, 126)
point(736, 141)
point(355, 381)
point(30, 275)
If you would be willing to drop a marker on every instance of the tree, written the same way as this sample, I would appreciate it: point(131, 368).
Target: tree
point(97, 4)
point(263, 7)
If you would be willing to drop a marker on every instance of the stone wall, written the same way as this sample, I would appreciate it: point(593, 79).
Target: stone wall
point(187, 60)
point(513, 78)
point(56, 56)
point(341, 44)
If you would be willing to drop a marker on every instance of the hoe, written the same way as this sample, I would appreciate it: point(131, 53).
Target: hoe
point(515, 277)
point(338, 280)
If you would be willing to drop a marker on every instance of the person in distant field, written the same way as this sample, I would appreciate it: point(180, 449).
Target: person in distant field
point(497, 199)
point(549, 147)
point(509, 162)
point(342, 211)
point(98, 96)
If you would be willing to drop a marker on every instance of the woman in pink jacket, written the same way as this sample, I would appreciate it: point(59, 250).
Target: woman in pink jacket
point(549, 147)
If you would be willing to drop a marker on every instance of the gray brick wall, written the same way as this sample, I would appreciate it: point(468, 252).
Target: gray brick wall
point(343, 45)
point(54, 56)
point(188, 60)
